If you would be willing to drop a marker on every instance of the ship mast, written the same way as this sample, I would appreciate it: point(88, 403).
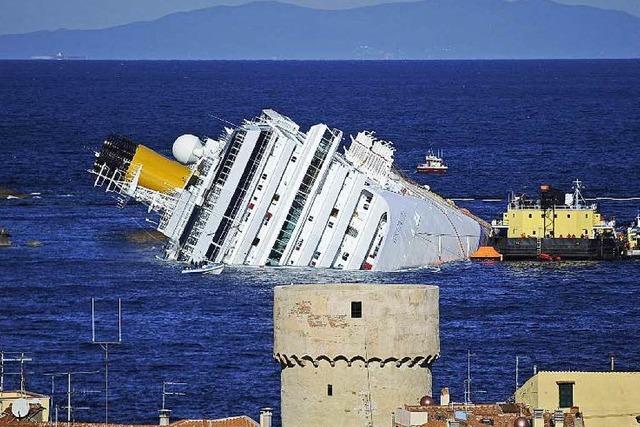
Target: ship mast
point(577, 194)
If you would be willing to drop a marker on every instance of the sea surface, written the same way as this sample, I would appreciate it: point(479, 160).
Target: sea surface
point(502, 125)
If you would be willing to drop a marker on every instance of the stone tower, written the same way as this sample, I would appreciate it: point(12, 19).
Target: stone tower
point(352, 353)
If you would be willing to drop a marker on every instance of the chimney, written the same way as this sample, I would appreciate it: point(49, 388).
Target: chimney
point(164, 417)
point(538, 418)
point(612, 359)
point(558, 418)
point(445, 398)
point(265, 417)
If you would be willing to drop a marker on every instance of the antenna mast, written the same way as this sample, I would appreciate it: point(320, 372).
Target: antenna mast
point(20, 359)
point(467, 382)
point(166, 393)
point(69, 392)
point(105, 346)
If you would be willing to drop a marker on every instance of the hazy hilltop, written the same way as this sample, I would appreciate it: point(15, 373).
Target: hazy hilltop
point(23, 16)
point(431, 29)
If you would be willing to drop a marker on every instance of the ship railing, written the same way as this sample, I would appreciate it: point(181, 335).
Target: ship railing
point(116, 181)
point(417, 188)
point(538, 206)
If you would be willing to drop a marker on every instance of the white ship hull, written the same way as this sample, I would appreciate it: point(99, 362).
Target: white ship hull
point(267, 194)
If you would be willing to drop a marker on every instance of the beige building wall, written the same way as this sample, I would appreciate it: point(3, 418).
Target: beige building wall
point(606, 399)
point(344, 371)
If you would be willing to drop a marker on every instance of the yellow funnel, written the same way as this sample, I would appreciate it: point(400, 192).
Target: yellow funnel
point(158, 173)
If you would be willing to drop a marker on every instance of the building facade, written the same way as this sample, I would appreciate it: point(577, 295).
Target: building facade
point(605, 399)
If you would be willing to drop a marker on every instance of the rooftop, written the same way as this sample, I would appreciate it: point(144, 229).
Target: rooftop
point(479, 415)
point(239, 421)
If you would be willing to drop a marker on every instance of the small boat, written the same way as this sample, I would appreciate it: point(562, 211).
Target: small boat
point(544, 257)
point(204, 269)
point(433, 164)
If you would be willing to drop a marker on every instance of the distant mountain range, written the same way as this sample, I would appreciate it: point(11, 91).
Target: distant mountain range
point(430, 29)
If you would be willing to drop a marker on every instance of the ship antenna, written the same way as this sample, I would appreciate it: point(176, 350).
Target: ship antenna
point(577, 195)
point(222, 120)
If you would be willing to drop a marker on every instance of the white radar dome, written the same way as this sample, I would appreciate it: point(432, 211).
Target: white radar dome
point(187, 149)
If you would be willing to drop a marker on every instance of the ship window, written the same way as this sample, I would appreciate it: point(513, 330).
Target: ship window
point(565, 392)
point(310, 219)
point(356, 309)
point(534, 232)
point(530, 215)
point(334, 212)
point(255, 242)
point(259, 187)
point(568, 215)
point(276, 197)
point(293, 159)
point(555, 215)
point(264, 176)
point(330, 224)
point(329, 390)
point(541, 215)
point(586, 215)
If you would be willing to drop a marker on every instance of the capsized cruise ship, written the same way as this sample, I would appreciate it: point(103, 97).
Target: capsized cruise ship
point(266, 194)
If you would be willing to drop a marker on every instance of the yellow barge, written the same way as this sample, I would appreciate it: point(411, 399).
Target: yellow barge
point(555, 226)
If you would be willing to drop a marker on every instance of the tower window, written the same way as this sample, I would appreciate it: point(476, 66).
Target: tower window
point(356, 309)
point(329, 390)
point(565, 391)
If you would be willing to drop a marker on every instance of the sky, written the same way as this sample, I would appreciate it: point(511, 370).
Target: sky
point(21, 16)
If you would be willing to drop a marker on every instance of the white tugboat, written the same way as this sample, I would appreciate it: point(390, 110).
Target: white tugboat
point(267, 194)
point(433, 164)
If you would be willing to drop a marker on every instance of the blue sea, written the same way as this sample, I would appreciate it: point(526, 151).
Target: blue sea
point(502, 125)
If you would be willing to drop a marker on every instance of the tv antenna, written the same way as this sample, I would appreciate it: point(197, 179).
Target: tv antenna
point(69, 392)
point(105, 346)
point(18, 357)
point(166, 392)
point(467, 381)
point(164, 412)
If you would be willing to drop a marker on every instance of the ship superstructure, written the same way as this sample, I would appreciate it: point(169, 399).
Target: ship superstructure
point(556, 224)
point(267, 194)
point(433, 164)
point(633, 238)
